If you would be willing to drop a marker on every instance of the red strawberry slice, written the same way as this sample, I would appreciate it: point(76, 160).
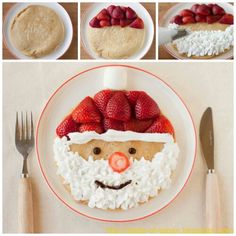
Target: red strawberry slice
point(86, 112)
point(177, 20)
point(188, 20)
point(115, 21)
point(186, 12)
point(146, 107)
point(119, 162)
point(103, 15)
point(94, 23)
point(227, 19)
point(125, 22)
point(104, 23)
point(212, 19)
point(161, 125)
point(113, 124)
point(97, 127)
point(211, 5)
point(118, 107)
point(110, 9)
point(130, 13)
point(123, 8)
point(102, 98)
point(137, 23)
point(68, 125)
point(217, 10)
point(204, 10)
point(200, 18)
point(132, 96)
point(194, 8)
point(137, 125)
point(117, 13)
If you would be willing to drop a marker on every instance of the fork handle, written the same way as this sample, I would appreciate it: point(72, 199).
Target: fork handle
point(25, 206)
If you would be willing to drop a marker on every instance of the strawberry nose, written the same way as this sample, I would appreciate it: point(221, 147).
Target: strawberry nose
point(119, 162)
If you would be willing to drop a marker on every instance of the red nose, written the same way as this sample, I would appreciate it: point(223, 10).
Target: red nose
point(119, 162)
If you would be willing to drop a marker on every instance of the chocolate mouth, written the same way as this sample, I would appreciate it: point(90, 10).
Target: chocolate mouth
point(116, 187)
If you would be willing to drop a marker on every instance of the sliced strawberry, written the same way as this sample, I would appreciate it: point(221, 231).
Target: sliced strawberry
point(113, 124)
point(194, 8)
point(130, 13)
point(161, 125)
point(146, 107)
point(177, 20)
point(186, 12)
point(117, 13)
point(94, 23)
point(211, 5)
point(137, 23)
point(119, 162)
point(118, 107)
point(125, 22)
point(188, 20)
point(204, 10)
point(227, 19)
point(132, 96)
point(115, 21)
point(68, 125)
point(86, 112)
point(123, 8)
point(103, 15)
point(217, 10)
point(97, 127)
point(110, 9)
point(137, 125)
point(105, 23)
point(212, 19)
point(200, 18)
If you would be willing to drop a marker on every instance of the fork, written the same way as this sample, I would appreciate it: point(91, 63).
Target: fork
point(24, 140)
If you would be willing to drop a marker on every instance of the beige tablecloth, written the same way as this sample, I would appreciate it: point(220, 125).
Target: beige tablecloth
point(27, 86)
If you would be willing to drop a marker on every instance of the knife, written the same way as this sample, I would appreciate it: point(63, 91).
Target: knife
point(213, 215)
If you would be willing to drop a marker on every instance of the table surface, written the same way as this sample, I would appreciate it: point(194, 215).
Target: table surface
point(27, 86)
point(72, 52)
point(151, 8)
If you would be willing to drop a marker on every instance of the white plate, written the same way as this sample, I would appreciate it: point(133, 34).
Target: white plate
point(88, 83)
point(165, 21)
point(62, 13)
point(141, 12)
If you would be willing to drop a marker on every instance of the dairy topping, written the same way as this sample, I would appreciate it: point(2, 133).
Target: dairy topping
point(147, 177)
point(205, 43)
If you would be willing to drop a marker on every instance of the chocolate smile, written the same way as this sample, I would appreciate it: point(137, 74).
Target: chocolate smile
point(116, 187)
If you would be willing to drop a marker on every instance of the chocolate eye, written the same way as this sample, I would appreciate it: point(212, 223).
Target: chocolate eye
point(97, 150)
point(132, 150)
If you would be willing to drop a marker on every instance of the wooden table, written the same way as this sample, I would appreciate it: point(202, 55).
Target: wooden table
point(72, 52)
point(151, 8)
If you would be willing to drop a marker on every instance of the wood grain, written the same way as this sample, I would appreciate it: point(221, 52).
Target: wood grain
point(151, 8)
point(72, 52)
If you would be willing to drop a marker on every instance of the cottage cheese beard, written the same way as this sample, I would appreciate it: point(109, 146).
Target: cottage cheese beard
point(37, 31)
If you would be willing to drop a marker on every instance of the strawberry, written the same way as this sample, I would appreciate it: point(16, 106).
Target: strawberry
point(161, 125)
point(138, 125)
point(97, 127)
point(137, 23)
point(119, 162)
point(213, 19)
point(217, 10)
point(194, 8)
point(68, 125)
point(177, 20)
point(146, 107)
point(200, 18)
point(204, 10)
point(94, 23)
point(132, 96)
point(123, 8)
point(86, 112)
point(113, 124)
point(125, 22)
point(117, 13)
point(110, 9)
point(186, 12)
point(211, 5)
point(115, 21)
point(101, 99)
point(188, 20)
point(103, 15)
point(104, 23)
point(130, 13)
point(227, 19)
point(118, 107)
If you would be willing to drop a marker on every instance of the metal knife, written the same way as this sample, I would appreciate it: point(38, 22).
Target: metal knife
point(213, 214)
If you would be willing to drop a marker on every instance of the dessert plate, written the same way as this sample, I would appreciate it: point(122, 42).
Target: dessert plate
point(89, 82)
point(164, 22)
point(141, 12)
point(62, 13)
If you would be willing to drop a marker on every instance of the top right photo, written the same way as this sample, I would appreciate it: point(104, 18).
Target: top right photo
point(196, 31)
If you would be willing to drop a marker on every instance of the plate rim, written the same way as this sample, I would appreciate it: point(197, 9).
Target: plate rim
point(91, 69)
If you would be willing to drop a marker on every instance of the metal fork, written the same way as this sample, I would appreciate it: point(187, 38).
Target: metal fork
point(24, 140)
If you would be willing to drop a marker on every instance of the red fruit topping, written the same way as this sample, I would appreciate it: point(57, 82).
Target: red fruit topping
point(210, 5)
point(118, 107)
point(138, 125)
point(94, 23)
point(68, 125)
point(204, 10)
point(119, 162)
point(125, 22)
point(188, 20)
point(86, 112)
point(200, 18)
point(177, 20)
point(130, 13)
point(213, 19)
point(137, 23)
point(146, 107)
point(132, 96)
point(194, 8)
point(161, 125)
point(102, 98)
point(186, 12)
point(113, 124)
point(110, 9)
point(115, 21)
point(217, 10)
point(117, 13)
point(103, 15)
point(123, 8)
point(227, 19)
point(104, 23)
point(97, 127)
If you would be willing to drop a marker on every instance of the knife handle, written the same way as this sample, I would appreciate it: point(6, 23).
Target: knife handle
point(213, 213)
